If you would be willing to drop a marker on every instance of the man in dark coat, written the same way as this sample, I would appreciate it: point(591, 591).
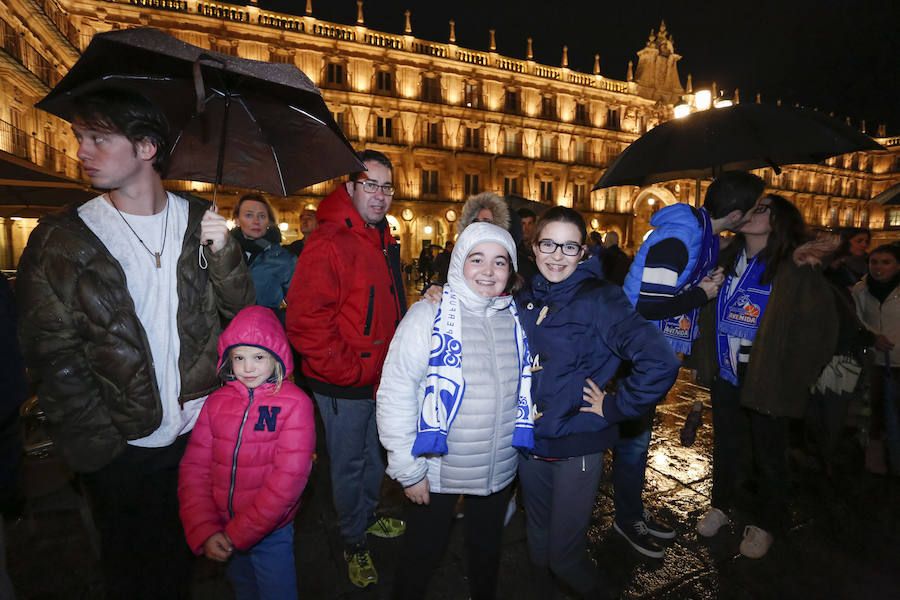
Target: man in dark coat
point(615, 262)
point(119, 325)
point(442, 263)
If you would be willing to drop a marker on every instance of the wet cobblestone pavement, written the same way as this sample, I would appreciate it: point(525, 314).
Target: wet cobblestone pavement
point(844, 540)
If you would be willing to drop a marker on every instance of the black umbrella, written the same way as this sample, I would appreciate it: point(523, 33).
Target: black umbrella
point(742, 137)
point(234, 121)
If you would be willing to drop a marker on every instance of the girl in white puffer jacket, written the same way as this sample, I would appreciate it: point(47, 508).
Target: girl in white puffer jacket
point(452, 407)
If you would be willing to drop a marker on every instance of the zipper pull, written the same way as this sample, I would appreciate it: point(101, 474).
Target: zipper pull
point(542, 315)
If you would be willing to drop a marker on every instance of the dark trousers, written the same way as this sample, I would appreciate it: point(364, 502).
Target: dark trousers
point(733, 428)
point(559, 498)
point(266, 571)
point(134, 501)
point(876, 394)
point(629, 467)
point(357, 466)
point(427, 529)
point(826, 414)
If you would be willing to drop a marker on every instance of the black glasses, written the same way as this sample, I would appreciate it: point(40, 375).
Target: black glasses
point(372, 187)
point(568, 248)
point(761, 209)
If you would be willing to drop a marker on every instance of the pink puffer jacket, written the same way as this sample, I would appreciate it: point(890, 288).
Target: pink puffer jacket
point(250, 453)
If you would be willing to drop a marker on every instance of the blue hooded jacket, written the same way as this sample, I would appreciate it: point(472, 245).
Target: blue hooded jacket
point(589, 329)
point(679, 221)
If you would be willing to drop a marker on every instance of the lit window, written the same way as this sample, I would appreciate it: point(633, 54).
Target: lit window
point(578, 193)
point(581, 114)
point(547, 191)
point(431, 89)
point(894, 218)
point(472, 138)
point(383, 81)
point(472, 96)
point(511, 102)
point(335, 74)
point(471, 184)
point(429, 182)
point(548, 108)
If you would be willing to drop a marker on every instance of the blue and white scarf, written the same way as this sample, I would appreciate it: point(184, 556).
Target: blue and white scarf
point(681, 331)
point(445, 387)
point(738, 314)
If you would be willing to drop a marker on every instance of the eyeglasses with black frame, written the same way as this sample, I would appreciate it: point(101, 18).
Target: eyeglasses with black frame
point(568, 248)
point(373, 186)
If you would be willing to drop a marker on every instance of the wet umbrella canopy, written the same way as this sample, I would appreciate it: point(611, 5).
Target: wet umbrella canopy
point(234, 121)
point(746, 136)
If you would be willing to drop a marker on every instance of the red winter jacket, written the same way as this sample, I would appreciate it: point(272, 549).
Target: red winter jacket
point(346, 300)
point(250, 453)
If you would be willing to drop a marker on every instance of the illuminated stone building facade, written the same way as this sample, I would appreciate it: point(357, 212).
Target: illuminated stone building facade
point(454, 121)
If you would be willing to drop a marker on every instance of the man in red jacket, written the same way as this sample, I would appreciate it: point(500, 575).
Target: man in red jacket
point(343, 307)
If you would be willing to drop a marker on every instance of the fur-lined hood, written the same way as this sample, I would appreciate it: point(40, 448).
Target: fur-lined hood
point(813, 253)
point(488, 200)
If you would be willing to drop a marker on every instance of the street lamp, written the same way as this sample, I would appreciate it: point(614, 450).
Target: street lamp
point(682, 109)
point(703, 99)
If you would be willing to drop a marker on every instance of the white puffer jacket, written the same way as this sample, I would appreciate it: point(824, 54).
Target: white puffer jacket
point(480, 458)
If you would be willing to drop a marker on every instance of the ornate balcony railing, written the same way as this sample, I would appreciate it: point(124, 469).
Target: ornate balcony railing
point(176, 5)
point(312, 26)
point(26, 55)
point(16, 142)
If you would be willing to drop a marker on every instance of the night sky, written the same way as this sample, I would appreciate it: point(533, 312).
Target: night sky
point(839, 56)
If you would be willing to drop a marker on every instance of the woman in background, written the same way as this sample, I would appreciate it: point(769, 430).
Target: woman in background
point(763, 343)
point(271, 266)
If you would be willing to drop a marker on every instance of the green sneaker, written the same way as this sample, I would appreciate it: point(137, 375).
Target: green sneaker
point(360, 569)
point(386, 527)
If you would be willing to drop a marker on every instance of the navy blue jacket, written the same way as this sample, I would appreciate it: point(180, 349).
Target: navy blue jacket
point(589, 329)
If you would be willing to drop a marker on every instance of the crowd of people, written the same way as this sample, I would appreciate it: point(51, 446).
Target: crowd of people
point(169, 383)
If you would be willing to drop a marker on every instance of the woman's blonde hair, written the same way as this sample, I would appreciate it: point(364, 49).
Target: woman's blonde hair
point(226, 370)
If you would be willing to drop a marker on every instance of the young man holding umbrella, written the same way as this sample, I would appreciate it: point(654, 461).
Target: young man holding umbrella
point(119, 325)
point(341, 318)
point(673, 274)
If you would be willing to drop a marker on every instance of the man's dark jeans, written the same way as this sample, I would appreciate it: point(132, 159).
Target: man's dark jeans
point(357, 465)
point(134, 500)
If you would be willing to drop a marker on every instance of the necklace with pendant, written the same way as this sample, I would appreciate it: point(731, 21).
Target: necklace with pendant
point(155, 255)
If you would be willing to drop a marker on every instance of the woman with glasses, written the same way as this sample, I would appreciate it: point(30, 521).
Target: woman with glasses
point(579, 328)
point(762, 344)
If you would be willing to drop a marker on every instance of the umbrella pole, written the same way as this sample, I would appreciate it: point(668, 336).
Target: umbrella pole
point(220, 163)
